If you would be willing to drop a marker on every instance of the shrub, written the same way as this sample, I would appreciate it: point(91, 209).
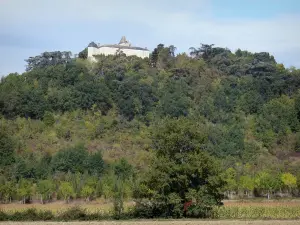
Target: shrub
point(199, 211)
point(148, 209)
point(3, 216)
point(29, 215)
point(73, 213)
point(46, 215)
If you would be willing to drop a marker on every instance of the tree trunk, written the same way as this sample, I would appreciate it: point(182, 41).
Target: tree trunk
point(268, 195)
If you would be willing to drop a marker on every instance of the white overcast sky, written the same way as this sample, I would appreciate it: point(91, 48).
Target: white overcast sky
point(30, 27)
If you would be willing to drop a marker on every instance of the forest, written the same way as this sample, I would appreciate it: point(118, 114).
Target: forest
point(165, 131)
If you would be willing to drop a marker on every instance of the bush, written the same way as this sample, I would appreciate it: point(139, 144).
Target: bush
point(98, 216)
point(3, 216)
point(74, 213)
point(199, 211)
point(46, 215)
point(147, 209)
point(28, 215)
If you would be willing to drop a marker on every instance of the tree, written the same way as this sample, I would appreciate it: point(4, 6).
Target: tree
point(175, 103)
point(289, 181)
point(246, 183)
point(123, 171)
point(66, 190)
point(71, 159)
point(33, 103)
point(181, 168)
point(95, 164)
point(7, 155)
point(264, 181)
point(24, 190)
point(172, 50)
point(204, 51)
point(48, 59)
point(278, 118)
point(11, 90)
point(230, 178)
point(107, 186)
point(83, 54)
point(155, 53)
point(166, 57)
point(87, 191)
point(7, 191)
point(49, 119)
point(43, 167)
point(45, 188)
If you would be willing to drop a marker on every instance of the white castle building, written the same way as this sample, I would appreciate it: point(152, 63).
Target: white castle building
point(123, 46)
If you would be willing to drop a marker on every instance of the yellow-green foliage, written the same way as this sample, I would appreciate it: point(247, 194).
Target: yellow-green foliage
point(114, 138)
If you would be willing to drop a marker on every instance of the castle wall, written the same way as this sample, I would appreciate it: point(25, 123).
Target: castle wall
point(112, 51)
point(92, 51)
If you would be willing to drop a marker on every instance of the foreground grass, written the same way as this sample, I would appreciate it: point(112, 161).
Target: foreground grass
point(58, 206)
point(164, 222)
point(99, 211)
point(257, 212)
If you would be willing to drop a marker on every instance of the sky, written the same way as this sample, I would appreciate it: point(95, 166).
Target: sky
point(30, 27)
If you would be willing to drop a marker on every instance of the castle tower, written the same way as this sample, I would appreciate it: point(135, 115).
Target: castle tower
point(124, 42)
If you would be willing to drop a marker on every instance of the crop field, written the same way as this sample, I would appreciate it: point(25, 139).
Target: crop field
point(59, 206)
point(101, 205)
point(264, 203)
point(166, 222)
point(232, 210)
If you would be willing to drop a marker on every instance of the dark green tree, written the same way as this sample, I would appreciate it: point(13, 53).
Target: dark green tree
point(7, 154)
point(95, 164)
point(123, 171)
point(182, 172)
point(45, 188)
point(72, 159)
point(83, 54)
point(48, 119)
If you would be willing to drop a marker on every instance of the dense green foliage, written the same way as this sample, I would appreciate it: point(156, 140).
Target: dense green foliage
point(180, 173)
point(188, 127)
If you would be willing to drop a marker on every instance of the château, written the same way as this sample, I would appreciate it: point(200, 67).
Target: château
point(124, 46)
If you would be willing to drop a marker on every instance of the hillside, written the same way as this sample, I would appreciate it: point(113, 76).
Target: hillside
point(246, 106)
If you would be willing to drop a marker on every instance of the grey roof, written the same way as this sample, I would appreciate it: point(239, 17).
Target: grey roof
point(123, 47)
point(93, 44)
point(123, 40)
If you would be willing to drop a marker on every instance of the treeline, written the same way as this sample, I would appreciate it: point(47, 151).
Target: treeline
point(187, 126)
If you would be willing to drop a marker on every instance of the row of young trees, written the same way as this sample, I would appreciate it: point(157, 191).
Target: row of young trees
point(69, 186)
point(263, 183)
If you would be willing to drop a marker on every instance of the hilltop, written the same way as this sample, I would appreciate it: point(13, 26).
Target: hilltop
point(245, 106)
